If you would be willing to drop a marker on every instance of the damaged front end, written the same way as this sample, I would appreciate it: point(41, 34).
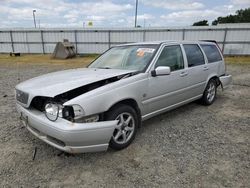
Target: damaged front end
point(54, 107)
point(68, 127)
point(44, 106)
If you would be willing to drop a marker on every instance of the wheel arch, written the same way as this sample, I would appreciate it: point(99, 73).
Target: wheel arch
point(217, 80)
point(214, 77)
point(130, 102)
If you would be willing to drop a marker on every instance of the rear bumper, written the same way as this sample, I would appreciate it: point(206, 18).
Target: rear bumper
point(67, 136)
point(225, 80)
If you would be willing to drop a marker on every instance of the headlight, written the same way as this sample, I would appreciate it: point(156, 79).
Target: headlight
point(52, 111)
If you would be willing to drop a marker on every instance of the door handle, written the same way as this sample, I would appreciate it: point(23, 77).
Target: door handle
point(205, 68)
point(183, 74)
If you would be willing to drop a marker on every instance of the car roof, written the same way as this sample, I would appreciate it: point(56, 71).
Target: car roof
point(168, 42)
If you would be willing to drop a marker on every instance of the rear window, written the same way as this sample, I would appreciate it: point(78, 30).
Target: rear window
point(194, 55)
point(212, 53)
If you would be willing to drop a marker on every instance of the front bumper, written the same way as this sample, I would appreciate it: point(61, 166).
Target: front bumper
point(225, 81)
point(65, 135)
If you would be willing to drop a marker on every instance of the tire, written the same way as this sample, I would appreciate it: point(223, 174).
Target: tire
point(210, 93)
point(125, 132)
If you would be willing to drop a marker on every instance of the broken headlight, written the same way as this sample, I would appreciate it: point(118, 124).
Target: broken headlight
point(53, 111)
point(72, 112)
point(78, 111)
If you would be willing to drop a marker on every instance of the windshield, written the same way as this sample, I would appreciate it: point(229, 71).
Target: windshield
point(134, 57)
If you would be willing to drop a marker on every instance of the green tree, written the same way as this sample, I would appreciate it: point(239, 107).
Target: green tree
point(201, 23)
point(241, 16)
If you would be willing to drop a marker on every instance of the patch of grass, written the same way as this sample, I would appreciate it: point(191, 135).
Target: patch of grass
point(238, 60)
point(46, 59)
point(84, 60)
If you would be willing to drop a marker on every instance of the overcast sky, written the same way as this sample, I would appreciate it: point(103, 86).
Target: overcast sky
point(114, 13)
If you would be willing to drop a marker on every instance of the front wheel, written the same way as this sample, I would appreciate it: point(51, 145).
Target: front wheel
point(210, 92)
point(126, 128)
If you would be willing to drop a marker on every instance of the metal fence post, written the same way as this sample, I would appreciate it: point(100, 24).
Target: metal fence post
point(12, 43)
point(144, 35)
point(224, 40)
point(183, 34)
point(109, 38)
point(75, 33)
point(27, 42)
point(42, 41)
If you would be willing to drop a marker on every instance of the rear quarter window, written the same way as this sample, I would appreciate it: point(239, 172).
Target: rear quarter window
point(212, 53)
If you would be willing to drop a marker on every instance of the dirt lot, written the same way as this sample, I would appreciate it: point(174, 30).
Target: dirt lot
point(192, 146)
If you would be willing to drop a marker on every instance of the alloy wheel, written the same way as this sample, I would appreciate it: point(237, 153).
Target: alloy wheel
point(211, 92)
point(124, 129)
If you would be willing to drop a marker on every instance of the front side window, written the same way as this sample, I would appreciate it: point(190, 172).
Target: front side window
point(212, 53)
point(194, 55)
point(134, 57)
point(171, 56)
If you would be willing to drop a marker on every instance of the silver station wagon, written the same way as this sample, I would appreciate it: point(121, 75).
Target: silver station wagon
point(103, 105)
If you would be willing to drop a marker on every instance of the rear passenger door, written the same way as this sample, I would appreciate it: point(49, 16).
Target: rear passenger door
point(214, 59)
point(197, 69)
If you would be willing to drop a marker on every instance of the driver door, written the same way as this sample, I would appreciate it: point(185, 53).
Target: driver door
point(167, 90)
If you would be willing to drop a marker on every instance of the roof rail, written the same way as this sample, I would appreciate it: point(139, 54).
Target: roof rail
point(214, 41)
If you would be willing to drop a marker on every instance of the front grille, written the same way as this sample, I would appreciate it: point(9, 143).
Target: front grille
point(39, 102)
point(22, 96)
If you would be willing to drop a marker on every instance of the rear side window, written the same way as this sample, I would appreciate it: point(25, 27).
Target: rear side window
point(211, 52)
point(171, 56)
point(194, 55)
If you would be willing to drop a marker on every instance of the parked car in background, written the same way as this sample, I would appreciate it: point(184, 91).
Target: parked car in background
point(91, 109)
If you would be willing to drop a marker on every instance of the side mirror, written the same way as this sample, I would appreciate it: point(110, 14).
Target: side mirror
point(161, 70)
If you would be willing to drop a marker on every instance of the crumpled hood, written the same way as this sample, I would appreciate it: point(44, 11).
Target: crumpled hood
point(56, 83)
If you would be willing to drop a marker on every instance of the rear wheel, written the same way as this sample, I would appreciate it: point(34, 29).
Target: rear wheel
point(210, 92)
point(126, 128)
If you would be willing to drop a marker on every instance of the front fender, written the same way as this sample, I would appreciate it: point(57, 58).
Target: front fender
point(101, 99)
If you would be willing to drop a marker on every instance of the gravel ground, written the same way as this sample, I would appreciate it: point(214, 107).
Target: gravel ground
point(192, 146)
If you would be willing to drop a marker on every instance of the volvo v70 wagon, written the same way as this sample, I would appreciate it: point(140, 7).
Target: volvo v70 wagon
point(91, 109)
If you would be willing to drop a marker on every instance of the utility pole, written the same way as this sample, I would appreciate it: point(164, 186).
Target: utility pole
point(136, 5)
point(34, 17)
